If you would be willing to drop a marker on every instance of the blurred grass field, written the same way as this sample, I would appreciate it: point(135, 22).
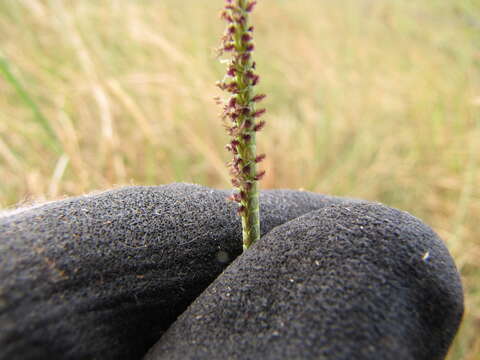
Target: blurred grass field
point(372, 99)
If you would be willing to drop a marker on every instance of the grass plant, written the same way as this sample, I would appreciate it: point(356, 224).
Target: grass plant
point(373, 99)
point(240, 115)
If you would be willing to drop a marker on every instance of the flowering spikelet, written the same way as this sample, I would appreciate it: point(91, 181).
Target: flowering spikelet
point(241, 118)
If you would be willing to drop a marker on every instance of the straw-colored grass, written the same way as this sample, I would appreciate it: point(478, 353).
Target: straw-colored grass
point(370, 99)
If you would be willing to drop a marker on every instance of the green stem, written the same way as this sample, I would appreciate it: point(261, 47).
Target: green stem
point(251, 216)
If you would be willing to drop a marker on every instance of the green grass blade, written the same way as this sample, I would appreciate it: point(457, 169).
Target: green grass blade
point(29, 102)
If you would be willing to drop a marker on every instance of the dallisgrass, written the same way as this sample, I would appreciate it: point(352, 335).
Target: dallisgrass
point(240, 115)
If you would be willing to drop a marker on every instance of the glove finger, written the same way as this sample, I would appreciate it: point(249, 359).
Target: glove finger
point(349, 281)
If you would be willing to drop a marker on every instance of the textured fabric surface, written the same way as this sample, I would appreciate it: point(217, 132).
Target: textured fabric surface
point(103, 276)
point(349, 281)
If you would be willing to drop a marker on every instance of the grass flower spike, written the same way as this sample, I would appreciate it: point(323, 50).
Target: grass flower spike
point(241, 115)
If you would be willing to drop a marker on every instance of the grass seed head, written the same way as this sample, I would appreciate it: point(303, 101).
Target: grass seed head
point(238, 111)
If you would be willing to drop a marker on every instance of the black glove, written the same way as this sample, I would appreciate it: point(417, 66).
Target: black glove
point(103, 276)
point(349, 281)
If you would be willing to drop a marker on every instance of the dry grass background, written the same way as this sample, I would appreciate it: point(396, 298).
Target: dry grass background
point(367, 98)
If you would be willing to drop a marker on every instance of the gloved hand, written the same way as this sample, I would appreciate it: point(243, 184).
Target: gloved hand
point(349, 281)
point(103, 276)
